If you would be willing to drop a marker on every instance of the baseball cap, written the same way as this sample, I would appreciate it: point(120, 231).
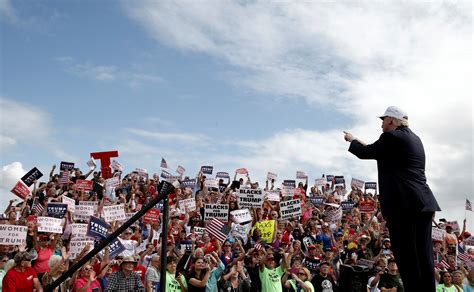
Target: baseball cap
point(394, 112)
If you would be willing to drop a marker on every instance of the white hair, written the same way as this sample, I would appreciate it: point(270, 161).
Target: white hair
point(400, 122)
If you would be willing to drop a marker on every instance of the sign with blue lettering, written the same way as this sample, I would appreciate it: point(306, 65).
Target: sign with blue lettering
point(31, 176)
point(207, 169)
point(318, 200)
point(347, 205)
point(56, 210)
point(97, 228)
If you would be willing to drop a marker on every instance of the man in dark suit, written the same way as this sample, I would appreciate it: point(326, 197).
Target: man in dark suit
point(406, 201)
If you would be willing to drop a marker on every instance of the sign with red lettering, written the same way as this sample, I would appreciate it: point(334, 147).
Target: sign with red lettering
point(367, 206)
point(20, 190)
point(151, 216)
point(84, 185)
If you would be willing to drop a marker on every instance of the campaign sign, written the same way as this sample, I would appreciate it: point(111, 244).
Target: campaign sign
point(367, 206)
point(20, 190)
point(207, 169)
point(288, 191)
point(115, 248)
point(31, 176)
point(199, 231)
point(437, 233)
point(242, 171)
point(165, 174)
point(211, 183)
point(12, 234)
point(66, 166)
point(333, 215)
point(357, 183)
point(469, 240)
point(97, 228)
point(219, 211)
point(455, 226)
point(365, 262)
point(267, 228)
point(78, 230)
point(114, 213)
point(240, 231)
point(289, 183)
point(329, 178)
point(83, 212)
point(347, 205)
point(320, 182)
point(250, 198)
point(115, 165)
point(371, 185)
point(91, 163)
point(189, 183)
point(317, 200)
point(339, 180)
point(56, 210)
point(84, 185)
point(188, 204)
point(222, 174)
point(112, 182)
point(240, 216)
point(94, 204)
point(151, 216)
point(180, 170)
point(77, 245)
point(271, 175)
point(290, 209)
point(301, 175)
point(49, 224)
point(272, 196)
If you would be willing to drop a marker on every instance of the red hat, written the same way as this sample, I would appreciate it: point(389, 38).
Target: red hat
point(466, 234)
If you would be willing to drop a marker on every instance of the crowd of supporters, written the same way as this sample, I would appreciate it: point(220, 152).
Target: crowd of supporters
point(337, 242)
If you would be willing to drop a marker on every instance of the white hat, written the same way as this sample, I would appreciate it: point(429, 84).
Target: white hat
point(394, 112)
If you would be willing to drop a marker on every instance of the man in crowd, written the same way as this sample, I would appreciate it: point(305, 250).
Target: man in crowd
point(406, 201)
point(125, 279)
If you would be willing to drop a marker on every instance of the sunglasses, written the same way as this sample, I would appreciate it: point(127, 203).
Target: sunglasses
point(87, 269)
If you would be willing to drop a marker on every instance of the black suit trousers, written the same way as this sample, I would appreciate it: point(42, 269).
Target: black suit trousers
point(410, 236)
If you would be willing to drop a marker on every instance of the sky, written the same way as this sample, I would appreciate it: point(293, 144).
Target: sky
point(269, 86)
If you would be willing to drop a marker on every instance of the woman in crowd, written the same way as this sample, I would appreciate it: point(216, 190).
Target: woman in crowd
point(57, 265)
point(300, 282)
point(86, 281)
point(199, 276)
point(45, 248)
point(236, 280)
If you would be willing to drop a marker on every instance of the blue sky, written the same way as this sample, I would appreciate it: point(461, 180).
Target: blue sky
point(265, 86)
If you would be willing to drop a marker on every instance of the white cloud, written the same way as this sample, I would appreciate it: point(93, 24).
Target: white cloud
point(104, 73)
point(170, 137)
point(353, 57)
point(10, 174)
point(8, 12)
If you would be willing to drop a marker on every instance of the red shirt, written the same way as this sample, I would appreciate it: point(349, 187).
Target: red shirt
point(19, 281)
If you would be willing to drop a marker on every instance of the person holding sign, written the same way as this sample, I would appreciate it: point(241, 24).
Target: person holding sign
point(406, 200)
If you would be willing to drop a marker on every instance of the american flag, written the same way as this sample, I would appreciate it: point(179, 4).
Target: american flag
point(218, 229)
point(468, 205)
point(463, 256)
point(64, 177)
point(163, 163)
point(36, 207)
point(444, 264)
point(258, 246)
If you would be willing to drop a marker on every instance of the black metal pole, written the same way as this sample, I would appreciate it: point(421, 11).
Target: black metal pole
point(164, 244)
point(165, 190)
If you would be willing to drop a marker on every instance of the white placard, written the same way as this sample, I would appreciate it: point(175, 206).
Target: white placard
point(357, 183)
point(438, 233)
point(250, 198)
point(455, 226)
point(94, 204)
point(141, 171)
point(188, 205)
point(219, 211)
point(78, 230)
point(83, 212)
point(333, 215)
point(240, 216)
point(49, 224)
point(112, 182)
point(290, 209)
point(180, 170)
point(71, 204)
point(320, 182)
point(12, 234)
point(114, 213)
point(211, 183)
point(271, 175)
point(76, 245)
point(301, 175)
point(287, 191)
point(199, 231)
point(241, 231)
point(91, 163)
point(469, 240)
point(115, 165)
point(272, 196)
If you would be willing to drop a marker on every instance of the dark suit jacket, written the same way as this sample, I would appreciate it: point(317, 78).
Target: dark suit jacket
point(401, 166)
